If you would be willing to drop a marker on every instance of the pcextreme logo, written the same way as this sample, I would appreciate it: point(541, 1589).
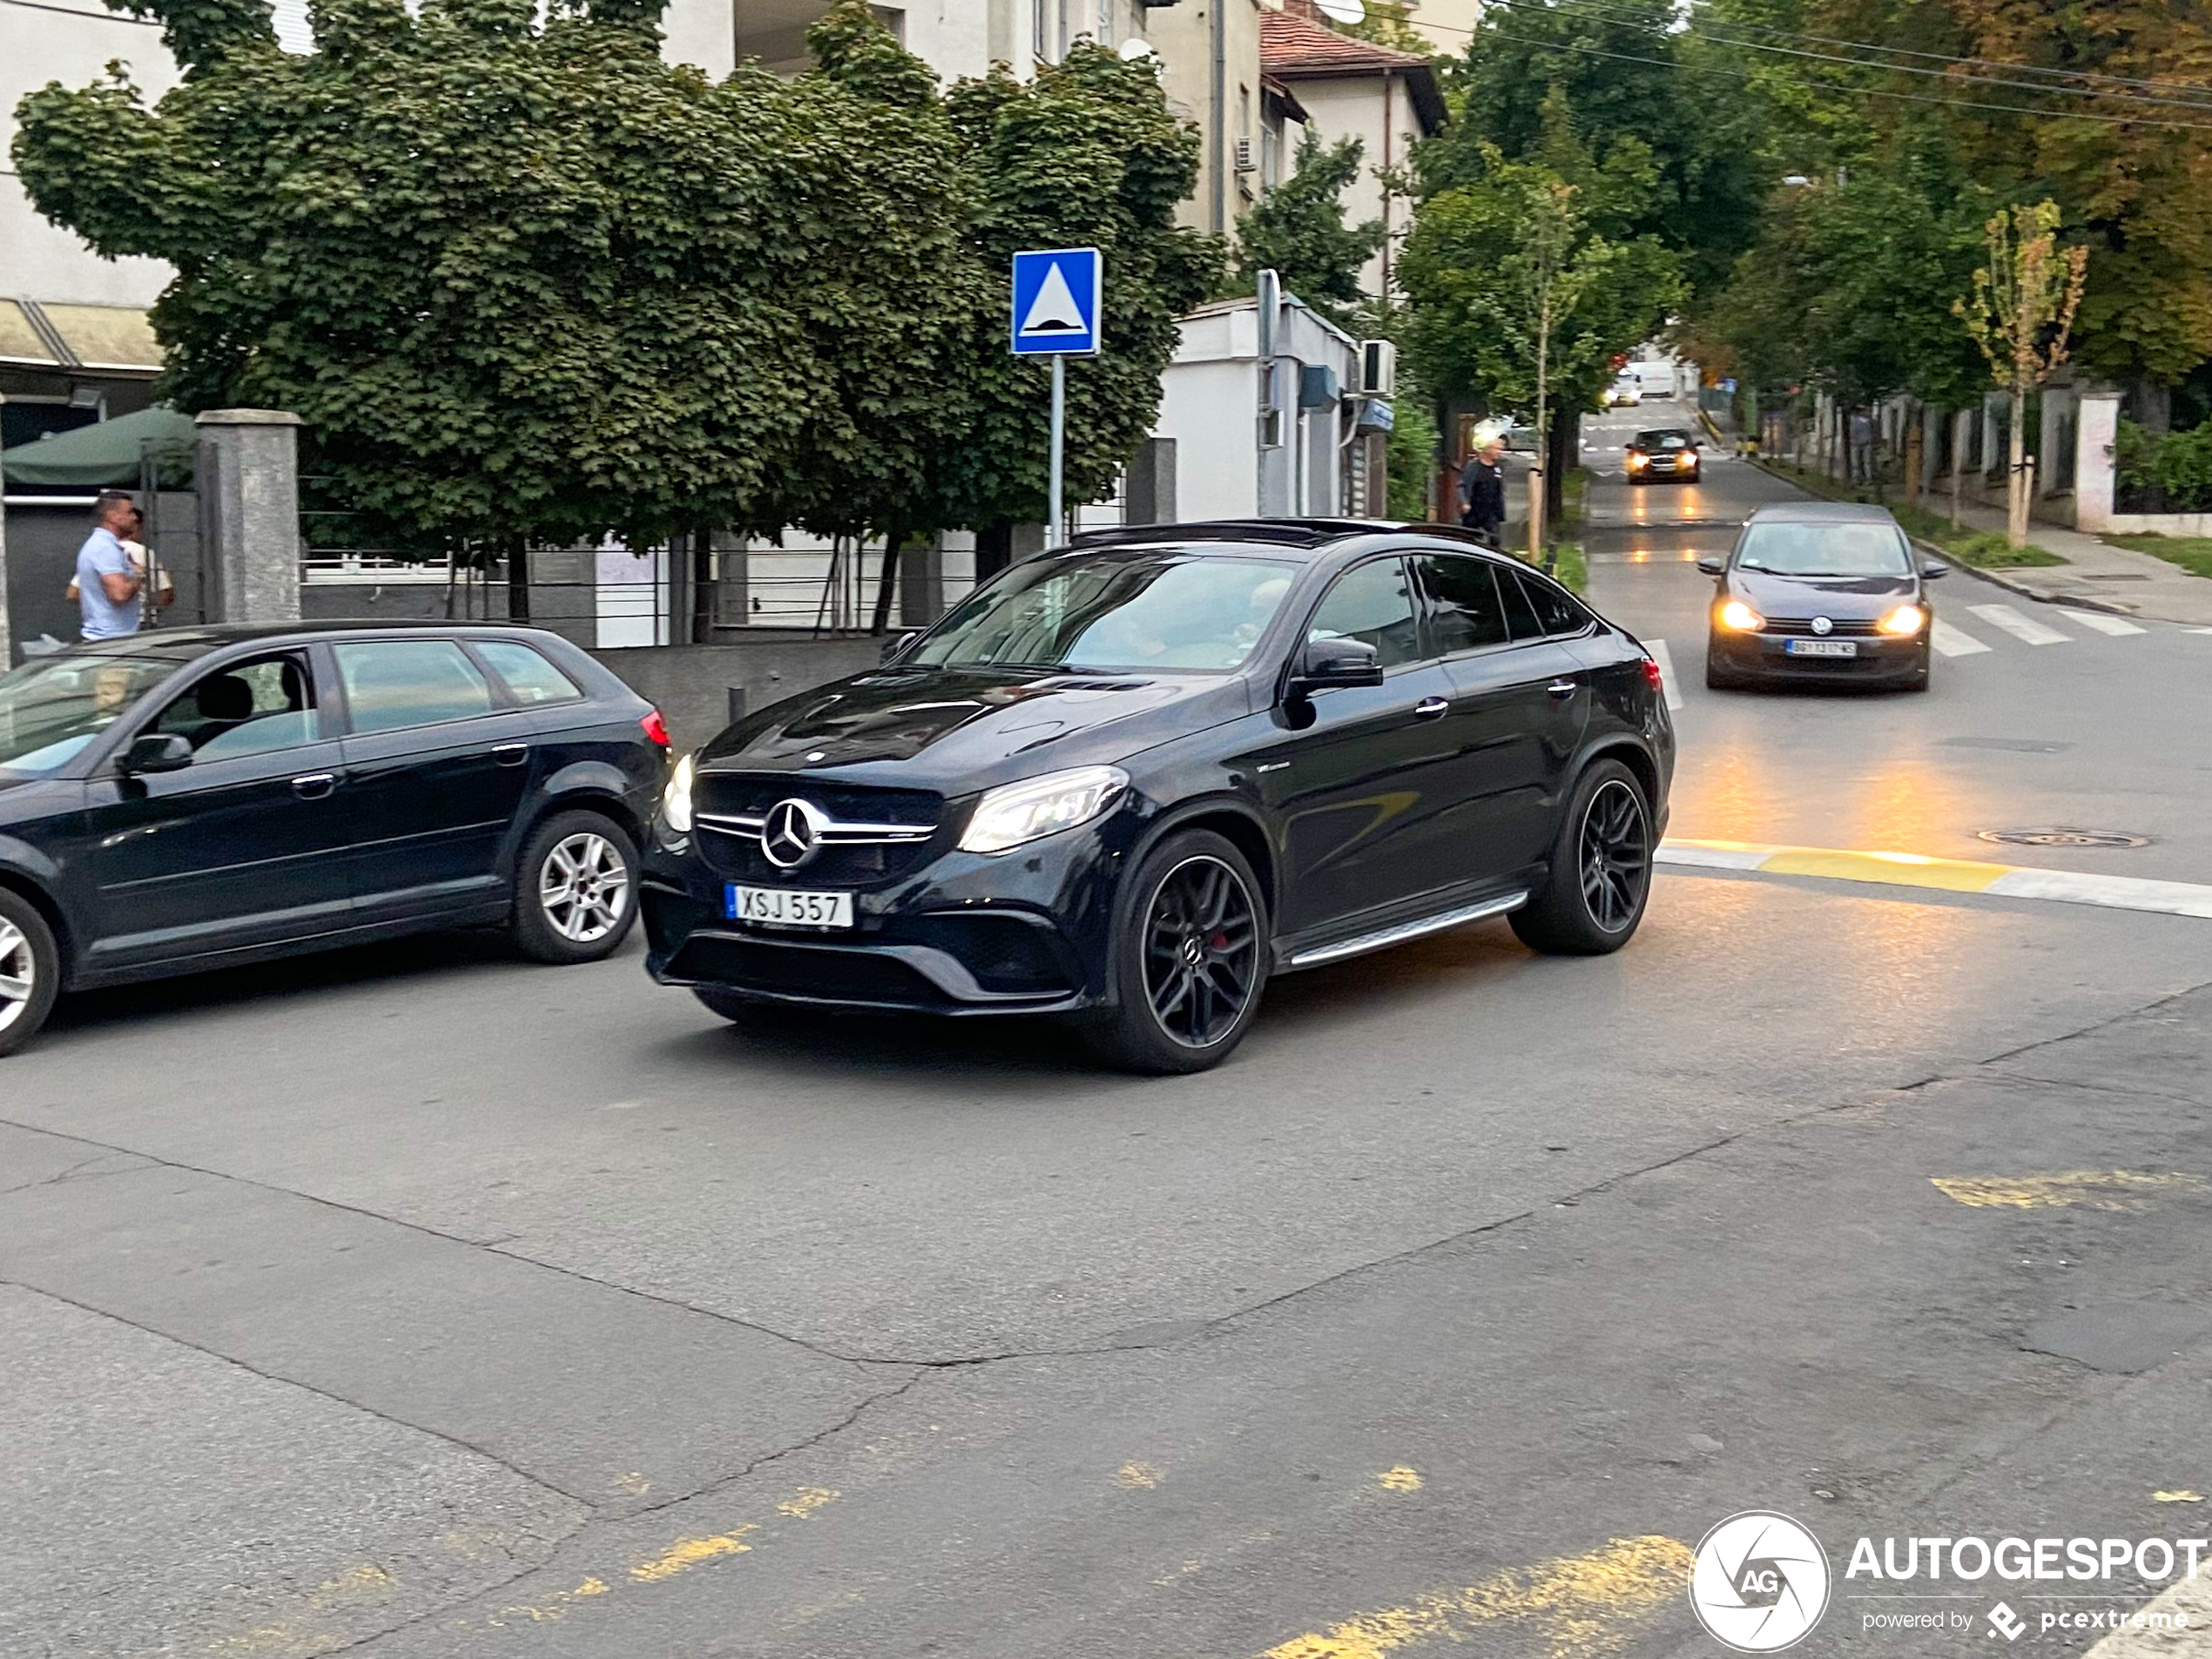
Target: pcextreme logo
point(1760, 1582)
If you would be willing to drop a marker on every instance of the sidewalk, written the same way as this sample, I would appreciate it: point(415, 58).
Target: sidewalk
point(2099, 574)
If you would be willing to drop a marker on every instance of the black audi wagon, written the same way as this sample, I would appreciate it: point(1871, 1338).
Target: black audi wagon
point(194, 798)
point(1130, 780)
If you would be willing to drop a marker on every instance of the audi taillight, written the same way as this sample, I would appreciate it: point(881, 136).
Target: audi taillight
point(655, 728)
point(1651, 675)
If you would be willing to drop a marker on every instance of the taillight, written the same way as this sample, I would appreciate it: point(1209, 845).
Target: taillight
point(655, 728)
point(1651, 675)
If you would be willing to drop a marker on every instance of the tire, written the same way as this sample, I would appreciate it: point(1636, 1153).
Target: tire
point(31, 971)
point(575, 889)
point(1190, 958)
point(1586, 911)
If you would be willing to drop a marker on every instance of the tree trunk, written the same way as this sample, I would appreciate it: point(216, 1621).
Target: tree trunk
point(1540, 484)
point(1912, 450)
point(2016, 491)
point(887, 580)
point(1958, 430)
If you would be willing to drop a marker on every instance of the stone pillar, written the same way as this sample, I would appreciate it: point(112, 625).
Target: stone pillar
point(1149, 491)
point(921, 583)
point(2096, 430)
point(249, 504)
point(7, 633)
point(2049, 476)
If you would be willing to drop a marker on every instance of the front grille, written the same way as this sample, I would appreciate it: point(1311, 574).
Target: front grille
point(1841, 628)
point(735, 850)
point(801, 970)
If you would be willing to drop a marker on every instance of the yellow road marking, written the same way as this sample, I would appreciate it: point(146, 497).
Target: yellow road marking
point(1138, 1476)
point(1400, 1478)
point(2182, 1496)
point(1894, 869)
point(687, 1552)
point(2075, 1189)
point(806, 1500)
point(1581, 1605)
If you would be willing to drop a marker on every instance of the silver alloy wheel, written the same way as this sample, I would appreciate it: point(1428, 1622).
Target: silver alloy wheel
point(584, 886)
point(18, 973)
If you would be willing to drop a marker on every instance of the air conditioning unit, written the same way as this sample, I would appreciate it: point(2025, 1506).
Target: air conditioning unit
point(1245, 162)
point(1378, 368)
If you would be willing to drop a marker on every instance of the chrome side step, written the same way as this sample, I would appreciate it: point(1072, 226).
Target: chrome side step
point(1406, 930)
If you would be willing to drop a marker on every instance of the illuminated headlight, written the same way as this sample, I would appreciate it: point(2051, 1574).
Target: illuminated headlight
point(1637, 461)
point(1740, 617)
point(676, 799)
point(1014, 814)
point(1905, 619)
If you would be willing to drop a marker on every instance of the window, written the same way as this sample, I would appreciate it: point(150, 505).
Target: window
point(1371, 603)
point(1463, 608)
point(1556, 611)
point(1144, 609)
point(528, 674)
point(247, 709)
point(53, 707)
point(1864, 547)
point(393, 683)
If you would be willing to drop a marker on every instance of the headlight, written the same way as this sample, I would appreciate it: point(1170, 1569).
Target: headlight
point(1014, 814)
point(1741, 617)
point(1905, 619)
point(676, 799)
point(1635, 461)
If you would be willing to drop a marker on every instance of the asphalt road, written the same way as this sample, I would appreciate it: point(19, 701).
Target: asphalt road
point(421, 1303)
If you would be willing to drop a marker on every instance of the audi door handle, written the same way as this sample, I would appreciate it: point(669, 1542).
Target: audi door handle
point(314, 786)
point(1562, 688)
point(1430, 707)
point(510, 754)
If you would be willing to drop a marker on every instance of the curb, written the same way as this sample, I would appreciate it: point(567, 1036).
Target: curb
point(1996, 578)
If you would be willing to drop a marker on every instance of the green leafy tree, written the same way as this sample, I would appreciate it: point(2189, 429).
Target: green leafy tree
point(1298, 231)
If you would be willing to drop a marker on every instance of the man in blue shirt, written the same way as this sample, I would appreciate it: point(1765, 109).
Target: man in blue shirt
point(107, 583)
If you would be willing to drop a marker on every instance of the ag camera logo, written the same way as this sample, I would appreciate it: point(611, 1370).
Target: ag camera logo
point(1760, 1582)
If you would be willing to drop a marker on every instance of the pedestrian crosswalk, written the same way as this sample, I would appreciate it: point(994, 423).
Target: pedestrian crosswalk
point(2048, 625)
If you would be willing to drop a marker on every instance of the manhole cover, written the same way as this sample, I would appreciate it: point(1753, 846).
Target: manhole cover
point(2059, 837)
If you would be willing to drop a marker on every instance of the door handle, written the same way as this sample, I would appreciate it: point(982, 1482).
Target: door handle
point(1562, 689)
point(510, 754)
point(1430, 707)
point(314, 786)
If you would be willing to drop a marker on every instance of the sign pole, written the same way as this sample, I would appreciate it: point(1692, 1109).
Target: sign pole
point(1056, 528)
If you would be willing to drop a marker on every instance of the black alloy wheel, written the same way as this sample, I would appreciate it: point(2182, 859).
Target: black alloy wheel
point(1599, 878)
point(1190, 957)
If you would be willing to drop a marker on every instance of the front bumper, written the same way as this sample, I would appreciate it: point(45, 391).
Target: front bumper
point(1879, 656)
point(1656, 472)
point(1026, 931)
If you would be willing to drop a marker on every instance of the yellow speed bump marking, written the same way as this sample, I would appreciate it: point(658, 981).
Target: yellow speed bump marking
point(2074, 1189)
point(1946, 875)
point(1583, 1606)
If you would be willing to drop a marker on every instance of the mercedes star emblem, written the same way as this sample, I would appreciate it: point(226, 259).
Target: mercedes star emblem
point(791, 833)
point(1822, 626)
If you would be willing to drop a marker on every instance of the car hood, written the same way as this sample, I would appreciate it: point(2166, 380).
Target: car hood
point(1844, 597)
point(955, 730)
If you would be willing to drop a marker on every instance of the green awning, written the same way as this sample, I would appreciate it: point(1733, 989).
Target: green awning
point(104, 453)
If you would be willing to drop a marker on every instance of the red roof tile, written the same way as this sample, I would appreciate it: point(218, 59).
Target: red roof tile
point(1292, 48)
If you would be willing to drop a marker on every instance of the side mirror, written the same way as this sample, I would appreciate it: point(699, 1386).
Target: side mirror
point(157, 752)
point(1930, 569)
point(895, 646)
point(1326, 663)
point(1713, 563)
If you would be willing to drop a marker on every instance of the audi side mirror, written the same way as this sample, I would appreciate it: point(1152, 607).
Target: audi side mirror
point(895, 646)
point(1930, 569)
point(156, 752)
point(1327, 663)
point(1713, 563)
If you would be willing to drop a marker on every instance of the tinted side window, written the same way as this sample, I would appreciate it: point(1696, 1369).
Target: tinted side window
point(392, 683)
point(246, 709)
point(528, 674)
point(1520, 613)
point(1555, 608)
point(1375, 603)
point(1463, 606)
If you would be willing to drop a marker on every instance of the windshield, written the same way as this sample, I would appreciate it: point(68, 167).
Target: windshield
point(1661, 440)
point(1149, 608)
point(51, 707)
point(1784, 549)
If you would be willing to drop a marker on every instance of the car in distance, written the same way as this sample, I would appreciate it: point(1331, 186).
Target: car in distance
point(196, 797)
point(1820, 591)
point(1130, 779)
point(1669, 453)
point(1625, 392)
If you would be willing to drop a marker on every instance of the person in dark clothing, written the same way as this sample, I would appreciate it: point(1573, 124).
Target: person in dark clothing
point(1482, 491)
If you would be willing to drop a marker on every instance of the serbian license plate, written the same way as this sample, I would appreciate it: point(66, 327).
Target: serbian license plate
point(1820, 648)
point(781, 908)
